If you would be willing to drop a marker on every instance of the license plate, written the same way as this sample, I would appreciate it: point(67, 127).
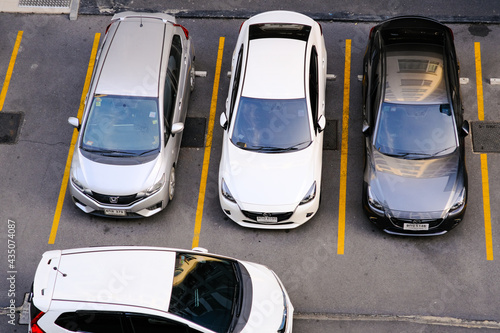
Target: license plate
point(267, 219)
point(416, 226)
point(115, 212)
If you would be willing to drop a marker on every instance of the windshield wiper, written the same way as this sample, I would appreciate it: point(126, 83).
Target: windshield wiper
point(107, 151)
point(405, 155)
point(147, 151)
point(439, 152)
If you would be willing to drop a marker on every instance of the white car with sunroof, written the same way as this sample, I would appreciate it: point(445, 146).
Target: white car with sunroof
point(121, 289)
point(270, 169)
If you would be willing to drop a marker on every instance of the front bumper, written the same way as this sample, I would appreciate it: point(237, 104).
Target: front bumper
point(143, 207)
point(394, 226)
point(286, 219)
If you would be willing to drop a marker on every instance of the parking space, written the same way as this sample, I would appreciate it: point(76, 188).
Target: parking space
point(374, 274)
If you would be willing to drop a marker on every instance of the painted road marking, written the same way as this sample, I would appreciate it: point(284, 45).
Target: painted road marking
point(208, 147)
point(64, 184)
point(10, 69)
point(484, 157)
point(344, 149)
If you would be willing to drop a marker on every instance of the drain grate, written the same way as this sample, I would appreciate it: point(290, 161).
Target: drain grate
point(9, 126)
point(486, 137)
point(194, 132)
point(330, 135)
point(45, 3)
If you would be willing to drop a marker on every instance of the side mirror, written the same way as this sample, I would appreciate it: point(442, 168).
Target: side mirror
point(223, 120)
point(465, 128)
point(177, 128)
point(321, 123)
point(73, 121)
point(366, 128)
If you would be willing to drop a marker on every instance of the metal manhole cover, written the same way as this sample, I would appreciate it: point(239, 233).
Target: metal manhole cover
point(330, 135)
point(194, 132)
point(45, 3)
point(10, 123)
point(486, 137)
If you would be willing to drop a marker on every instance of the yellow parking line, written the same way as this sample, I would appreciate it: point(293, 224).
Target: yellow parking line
point(64, 184)
point(10, 69)
point(484, 157)
point(208, 147)
point(486, 207)
point(343, 158)
point(479, 81)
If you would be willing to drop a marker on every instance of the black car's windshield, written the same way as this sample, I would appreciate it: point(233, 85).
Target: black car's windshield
point(205, 290)
point(271, 125)
point(419, 130)
point(122, 125)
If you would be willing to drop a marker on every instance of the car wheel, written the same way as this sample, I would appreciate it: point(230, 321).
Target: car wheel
point(171, 184)
point(192, 77)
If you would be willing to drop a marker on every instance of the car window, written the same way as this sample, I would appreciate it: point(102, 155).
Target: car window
point(204, 290)
point(415, 129)
point(271, 125)
point(149, 324)
point(236, 83)
point(172, 84)
point(314, 85)
point(91, 322)
point(122, 124)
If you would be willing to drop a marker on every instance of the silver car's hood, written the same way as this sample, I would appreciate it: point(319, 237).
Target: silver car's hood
point(115, 179)
point(406, 185)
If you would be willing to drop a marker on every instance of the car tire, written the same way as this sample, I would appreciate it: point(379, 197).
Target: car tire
point(171, 184)
point(192, 77)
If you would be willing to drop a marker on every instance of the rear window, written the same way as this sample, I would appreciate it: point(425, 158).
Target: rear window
point(279, 30)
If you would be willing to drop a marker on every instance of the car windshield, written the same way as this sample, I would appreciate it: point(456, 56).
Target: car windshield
point(419, 130)
point(122, 125)
point(271, 124)
point(205, 290)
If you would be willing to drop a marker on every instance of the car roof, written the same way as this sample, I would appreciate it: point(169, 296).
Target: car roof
point(415, 74)
point(133, 276)
point(132, 62)
point(275, 69)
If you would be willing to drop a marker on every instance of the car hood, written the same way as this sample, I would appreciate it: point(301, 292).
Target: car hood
point(280, 180)
point(409, 185)
point(268, 299)
point(114, 179)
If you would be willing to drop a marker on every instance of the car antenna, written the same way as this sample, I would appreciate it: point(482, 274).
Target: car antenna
point(64, 275)
point(141, 21)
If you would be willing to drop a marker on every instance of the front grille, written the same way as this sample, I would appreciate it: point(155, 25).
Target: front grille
point(115, 199)
point(281, 216)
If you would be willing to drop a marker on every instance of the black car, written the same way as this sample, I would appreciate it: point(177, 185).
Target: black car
point(415, 179)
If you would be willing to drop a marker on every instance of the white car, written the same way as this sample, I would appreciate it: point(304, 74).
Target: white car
point(152, 290)
point(126, 154)
point(270, 169)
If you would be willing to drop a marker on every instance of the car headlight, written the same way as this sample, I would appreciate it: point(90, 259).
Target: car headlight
point(374, 203)
point(153, 189)
point(80, 186)
point(225, 192)
point(459, 204)
point(311, 194)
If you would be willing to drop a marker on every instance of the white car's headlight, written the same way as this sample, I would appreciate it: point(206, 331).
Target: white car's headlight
point(153, 189)
point(80, 186)
point(225, 191)
point(311, 194)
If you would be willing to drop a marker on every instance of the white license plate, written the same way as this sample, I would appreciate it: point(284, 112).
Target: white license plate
point(115, 212)
point(416, 226)
point(267, 219)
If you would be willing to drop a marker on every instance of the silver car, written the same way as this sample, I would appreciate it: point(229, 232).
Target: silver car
point(125, 157)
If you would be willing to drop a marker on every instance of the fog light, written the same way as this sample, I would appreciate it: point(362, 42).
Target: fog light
point(309, 214)
point(227, 211)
